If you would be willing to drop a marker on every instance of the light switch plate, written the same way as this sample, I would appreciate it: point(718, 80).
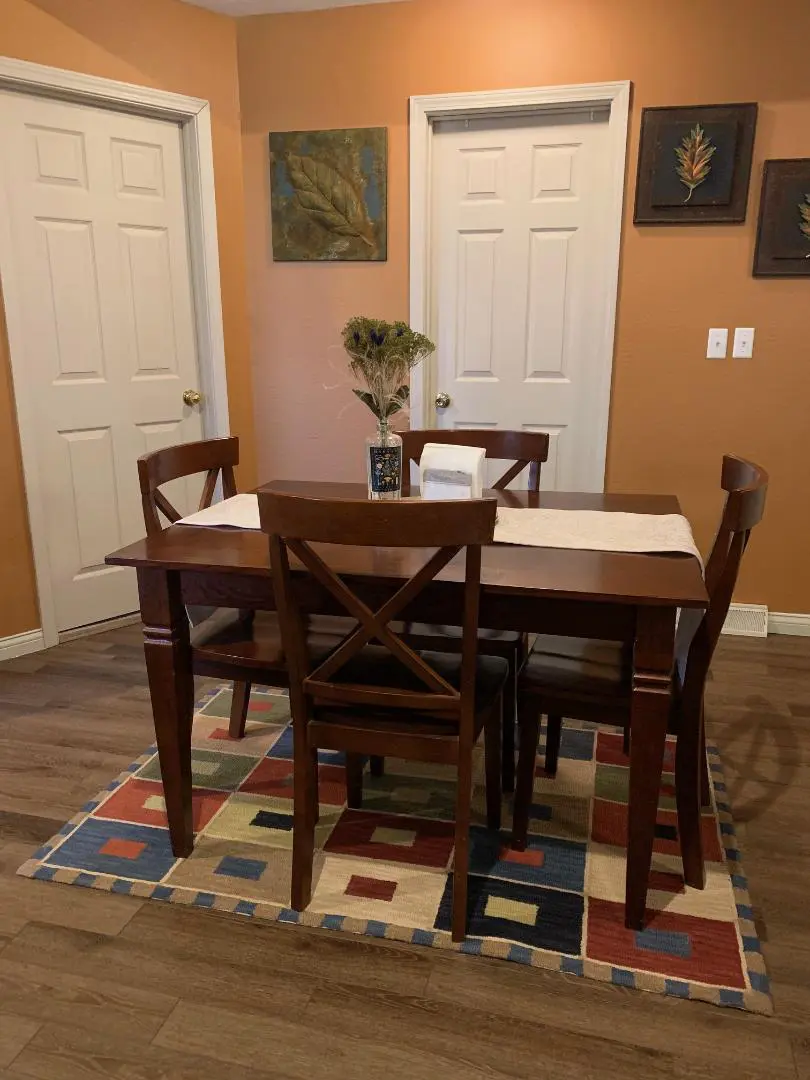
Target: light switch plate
point(743, 343)
point(718, 343)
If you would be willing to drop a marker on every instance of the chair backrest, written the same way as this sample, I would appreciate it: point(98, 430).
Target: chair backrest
point(746, 486)
point(295, 523)
point(214, 457)
point(521, 447)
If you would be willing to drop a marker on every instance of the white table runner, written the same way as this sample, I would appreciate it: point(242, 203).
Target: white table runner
point(590, 530)
point(595, 530)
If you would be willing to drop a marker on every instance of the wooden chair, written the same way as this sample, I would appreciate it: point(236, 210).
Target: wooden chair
point(375, 695)
point(591, 680)
point(522, 448)
point(226, 644)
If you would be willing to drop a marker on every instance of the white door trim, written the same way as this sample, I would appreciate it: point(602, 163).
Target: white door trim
point(424, 112)
point(194, 117)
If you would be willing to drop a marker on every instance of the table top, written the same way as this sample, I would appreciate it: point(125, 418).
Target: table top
point(528, 571)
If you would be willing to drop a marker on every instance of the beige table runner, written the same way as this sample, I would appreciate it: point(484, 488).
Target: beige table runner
point(596, 530)
point(591, 530)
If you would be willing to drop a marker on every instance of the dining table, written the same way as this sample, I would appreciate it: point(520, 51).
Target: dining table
point(608, 595)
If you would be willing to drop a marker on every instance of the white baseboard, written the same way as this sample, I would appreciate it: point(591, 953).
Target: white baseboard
point(21, 644)
point(789, 622)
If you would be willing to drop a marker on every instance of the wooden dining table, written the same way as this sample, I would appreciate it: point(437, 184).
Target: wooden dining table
point(613, 596)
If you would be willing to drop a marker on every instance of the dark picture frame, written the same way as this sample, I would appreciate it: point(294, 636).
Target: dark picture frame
point(718, 161)
point(783, 232)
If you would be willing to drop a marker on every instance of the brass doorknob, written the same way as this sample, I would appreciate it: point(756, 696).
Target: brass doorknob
point(442, 400)
point(192, 397)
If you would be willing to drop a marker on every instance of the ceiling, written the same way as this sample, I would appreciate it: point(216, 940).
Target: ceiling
point(266, 7)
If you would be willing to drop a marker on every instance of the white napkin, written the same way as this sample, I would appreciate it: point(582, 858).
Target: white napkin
point(451, 472)
point(238, 512)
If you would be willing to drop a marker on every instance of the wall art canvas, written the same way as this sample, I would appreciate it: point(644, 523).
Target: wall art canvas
point(329, 197)
point(783, 236)
point(694, 164)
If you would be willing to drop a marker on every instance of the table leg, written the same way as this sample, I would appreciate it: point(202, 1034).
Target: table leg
point(653, 658)
point(171, 685)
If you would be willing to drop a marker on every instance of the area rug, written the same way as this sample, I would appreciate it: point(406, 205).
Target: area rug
point(383, 871)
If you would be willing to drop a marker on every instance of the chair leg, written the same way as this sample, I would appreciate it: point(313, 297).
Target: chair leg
point(509, 718)
point(492, 754)
point(705, 778)
point(239, 709)
point(314, 808)
point(305, 797)
point(461, 862)
point(529, 727)
point(626, 741)
point(354, 781)
point(689, 767)
point(377, 766)
point(553, 739)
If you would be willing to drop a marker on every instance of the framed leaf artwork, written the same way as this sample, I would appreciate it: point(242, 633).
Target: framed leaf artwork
point(328, 195)
point(783, 236)
point(694, 164)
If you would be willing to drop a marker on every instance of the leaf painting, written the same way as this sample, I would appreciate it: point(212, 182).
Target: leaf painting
point(328, 195)
point(694, 157)
point(329, 198)
point(804, 219)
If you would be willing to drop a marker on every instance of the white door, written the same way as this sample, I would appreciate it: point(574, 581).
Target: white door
point(520, 282)
point(101, 268)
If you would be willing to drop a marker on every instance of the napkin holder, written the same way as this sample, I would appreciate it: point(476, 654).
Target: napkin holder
point(448, 471)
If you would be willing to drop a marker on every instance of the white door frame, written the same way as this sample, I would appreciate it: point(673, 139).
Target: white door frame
point(194, 117)
point(424, 112)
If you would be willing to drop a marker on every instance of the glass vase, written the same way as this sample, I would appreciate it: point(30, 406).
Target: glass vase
point(384, 463)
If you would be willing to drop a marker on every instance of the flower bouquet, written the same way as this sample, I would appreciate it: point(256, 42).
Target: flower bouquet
point(381, 355)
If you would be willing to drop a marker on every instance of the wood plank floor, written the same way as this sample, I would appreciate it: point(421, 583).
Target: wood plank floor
point(97, 985)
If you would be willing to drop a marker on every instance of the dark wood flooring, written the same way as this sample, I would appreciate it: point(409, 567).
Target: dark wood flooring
point(97, 985)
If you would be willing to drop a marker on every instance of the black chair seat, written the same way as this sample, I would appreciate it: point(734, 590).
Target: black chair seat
point(578, 666)
point(394, 730)
point(511, 645)
point(428, 636)
point(376, 666)
point(215, 624)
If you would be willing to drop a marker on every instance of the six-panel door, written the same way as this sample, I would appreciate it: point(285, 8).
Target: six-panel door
point(101, 266)
point(520, 276)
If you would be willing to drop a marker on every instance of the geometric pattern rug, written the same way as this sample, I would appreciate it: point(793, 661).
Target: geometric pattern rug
point(384, 871)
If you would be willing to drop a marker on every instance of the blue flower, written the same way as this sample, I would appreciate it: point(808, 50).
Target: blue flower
point(357, 337)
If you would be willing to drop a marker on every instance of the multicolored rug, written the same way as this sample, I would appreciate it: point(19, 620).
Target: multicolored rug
point(383, 871)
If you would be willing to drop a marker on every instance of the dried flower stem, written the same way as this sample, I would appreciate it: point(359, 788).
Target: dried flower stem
point(694, 159)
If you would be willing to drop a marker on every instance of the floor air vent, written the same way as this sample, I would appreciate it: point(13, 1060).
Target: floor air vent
point(747, 620)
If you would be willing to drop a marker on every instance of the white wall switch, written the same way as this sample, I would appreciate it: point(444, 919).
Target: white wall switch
point(718, 344)
point(743, 343)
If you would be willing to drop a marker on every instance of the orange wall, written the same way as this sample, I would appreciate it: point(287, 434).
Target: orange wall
point(172, 46)
point(673, 413)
